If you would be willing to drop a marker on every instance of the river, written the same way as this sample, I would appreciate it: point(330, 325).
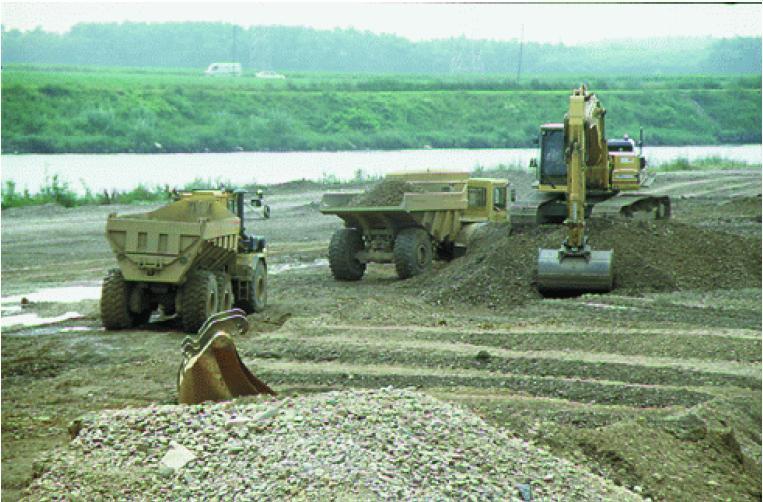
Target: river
point(125, 171)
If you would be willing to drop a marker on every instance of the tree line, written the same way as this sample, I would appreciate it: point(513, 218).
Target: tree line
point(281, 48)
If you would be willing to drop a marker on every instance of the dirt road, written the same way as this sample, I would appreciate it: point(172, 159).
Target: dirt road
point(658, 391)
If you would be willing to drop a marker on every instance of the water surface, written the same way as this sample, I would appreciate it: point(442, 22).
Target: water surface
point(125, 171)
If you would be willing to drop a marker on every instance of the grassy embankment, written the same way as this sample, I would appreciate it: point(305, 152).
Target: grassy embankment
point(58, 109)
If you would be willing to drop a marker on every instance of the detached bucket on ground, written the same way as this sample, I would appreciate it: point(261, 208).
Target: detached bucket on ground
point(562, 272)
point(211, 369)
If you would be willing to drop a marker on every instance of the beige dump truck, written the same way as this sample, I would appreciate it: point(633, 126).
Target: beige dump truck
point(415, 218)
point(192, 258)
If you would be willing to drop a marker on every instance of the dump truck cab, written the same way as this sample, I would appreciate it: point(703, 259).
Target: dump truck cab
point(487, 200)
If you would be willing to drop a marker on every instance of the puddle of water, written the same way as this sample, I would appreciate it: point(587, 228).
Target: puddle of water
point(68, 294)
point(73, 329)
point(53, 330)
point(32, 319)
point(608, 306)
point(280, 268)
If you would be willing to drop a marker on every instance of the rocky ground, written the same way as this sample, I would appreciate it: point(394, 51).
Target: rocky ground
point(654, 388)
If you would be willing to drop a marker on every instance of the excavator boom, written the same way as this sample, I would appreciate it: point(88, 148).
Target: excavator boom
point(574, 267)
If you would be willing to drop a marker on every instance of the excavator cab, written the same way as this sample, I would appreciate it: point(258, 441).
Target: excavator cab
point(552, 169)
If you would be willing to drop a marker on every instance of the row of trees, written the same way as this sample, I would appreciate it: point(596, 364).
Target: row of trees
point(183, 45)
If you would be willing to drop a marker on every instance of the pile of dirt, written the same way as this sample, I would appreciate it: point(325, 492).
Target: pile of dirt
point(385, 193)
point(368, 445)
point(649, 256)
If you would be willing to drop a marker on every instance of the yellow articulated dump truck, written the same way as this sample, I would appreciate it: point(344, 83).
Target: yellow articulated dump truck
point(192, 258)
point(410, 218)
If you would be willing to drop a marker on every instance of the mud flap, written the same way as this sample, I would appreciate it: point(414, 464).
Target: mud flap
point(559, 271)
point(211, 369)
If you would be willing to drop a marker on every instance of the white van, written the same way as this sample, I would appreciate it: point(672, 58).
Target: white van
point(233, 69)
point(269, 74)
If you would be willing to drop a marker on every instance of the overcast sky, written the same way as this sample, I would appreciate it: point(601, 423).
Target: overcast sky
point(570, 24)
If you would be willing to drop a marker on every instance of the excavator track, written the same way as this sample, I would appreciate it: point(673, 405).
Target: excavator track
point(544, 208)
point(633, 205)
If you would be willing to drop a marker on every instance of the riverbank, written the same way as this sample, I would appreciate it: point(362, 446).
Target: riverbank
point(56, 190)
point(111, 111)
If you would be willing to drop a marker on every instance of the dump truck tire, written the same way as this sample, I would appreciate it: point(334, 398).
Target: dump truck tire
point(412, 252)
point(115, 310)
point(199, 299)
point(256, 289)
point(345, 245)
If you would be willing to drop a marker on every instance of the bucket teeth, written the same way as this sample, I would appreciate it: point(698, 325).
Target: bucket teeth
point(211, 369)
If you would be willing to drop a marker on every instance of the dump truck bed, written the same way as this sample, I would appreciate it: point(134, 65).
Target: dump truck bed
point(437, 212)
point(162, 245)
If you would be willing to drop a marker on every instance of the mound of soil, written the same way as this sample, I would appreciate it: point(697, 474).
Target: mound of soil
point(648, 257)
point(385, 193)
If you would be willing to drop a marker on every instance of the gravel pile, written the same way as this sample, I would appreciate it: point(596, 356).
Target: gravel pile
point(385, 193)
point(649, 257)
point(347, 445)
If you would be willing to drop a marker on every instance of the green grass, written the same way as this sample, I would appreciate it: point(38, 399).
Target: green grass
point(704, 164)
point(55, 191)
point(64, 109)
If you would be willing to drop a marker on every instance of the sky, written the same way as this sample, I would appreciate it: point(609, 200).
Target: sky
point(570, 24)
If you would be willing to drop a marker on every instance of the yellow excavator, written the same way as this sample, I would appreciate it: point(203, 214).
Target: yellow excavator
point(588, 176)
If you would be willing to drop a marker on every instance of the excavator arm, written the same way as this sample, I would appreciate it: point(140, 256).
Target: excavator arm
point(574, 267)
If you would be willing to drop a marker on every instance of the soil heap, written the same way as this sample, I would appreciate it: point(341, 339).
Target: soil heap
point(348, 445)
point(385, 193)
point(649, 256)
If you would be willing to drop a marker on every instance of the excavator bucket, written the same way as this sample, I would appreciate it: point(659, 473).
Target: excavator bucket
point(562, 272)
point(211, 369)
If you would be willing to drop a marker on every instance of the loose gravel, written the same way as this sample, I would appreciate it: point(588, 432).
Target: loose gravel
point(499, 268)
point(384, 193)
point(349, 445)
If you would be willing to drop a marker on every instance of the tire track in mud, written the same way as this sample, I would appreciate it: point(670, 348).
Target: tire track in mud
point(326, 376)
point(359, 353)
point(639, 369)
point(373, 341)
point(676, 346)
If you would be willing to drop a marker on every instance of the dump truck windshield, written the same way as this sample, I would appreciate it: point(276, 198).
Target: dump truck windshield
point(552, 167)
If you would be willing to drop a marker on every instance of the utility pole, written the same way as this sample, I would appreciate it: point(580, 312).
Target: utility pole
point(234, 58)
point(521, 46)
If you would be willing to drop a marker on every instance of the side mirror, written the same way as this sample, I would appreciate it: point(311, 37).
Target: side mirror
point(533, 163)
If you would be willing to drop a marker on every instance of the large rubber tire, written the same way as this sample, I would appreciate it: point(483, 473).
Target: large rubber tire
point(224, 292)
point(115, 294)
point(344, 246)
point(257, 290)
point(198, 300)
point(412, 252)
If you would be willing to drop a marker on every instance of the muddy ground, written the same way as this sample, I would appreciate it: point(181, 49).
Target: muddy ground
point(659, 391)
